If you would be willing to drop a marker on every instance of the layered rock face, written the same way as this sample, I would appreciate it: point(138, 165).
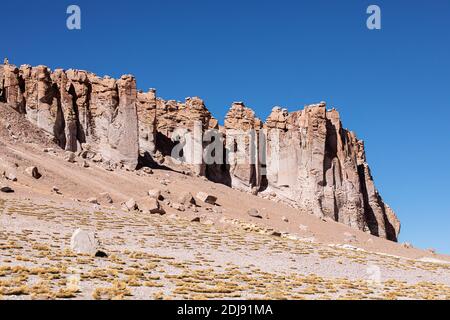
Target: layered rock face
point(242, 131)
point(78, 108)
point(304, 158)
point(321, 167)
point(179, 129)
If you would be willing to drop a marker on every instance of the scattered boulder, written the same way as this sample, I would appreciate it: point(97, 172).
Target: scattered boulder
point(70, 157)
point(186, 198)
point(206, 198)
point(92, 200)
point(131, 205)
point(178, 206)
point(6, 189)
point(407, 245)
point(97, 158)
point(33, 172)
point(84, 242)
point(105, 197)
point(254, 213)
point(155, 194)
point(151, 206)
point(85, 164)
point(11, 176)
point(196, 219)
point(101, 254)
point(56, 190)
point(217, 210)
point(147, 170)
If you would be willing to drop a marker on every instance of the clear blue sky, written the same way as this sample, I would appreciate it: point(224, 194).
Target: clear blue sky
point(392, 87)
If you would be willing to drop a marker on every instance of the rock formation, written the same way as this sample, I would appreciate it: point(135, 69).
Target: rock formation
point(321, 167)
point(77, 108)
point(242, 127)
point(304, 158)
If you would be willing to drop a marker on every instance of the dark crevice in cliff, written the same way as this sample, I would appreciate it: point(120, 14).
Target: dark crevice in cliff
point(369, 214)
point(60, 123)
point(81, 137)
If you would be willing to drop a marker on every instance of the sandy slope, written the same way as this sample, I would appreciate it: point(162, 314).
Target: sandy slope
point(39, 223)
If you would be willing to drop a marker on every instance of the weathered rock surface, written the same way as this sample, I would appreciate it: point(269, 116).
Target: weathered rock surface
point(309, 160)
point(242, 127)
point(151, 206)
point(321, 167)
point(6, 189)
point(84, 242)
point(186, 198)
point(206, 198)
point(33, 172)
point(77, 107)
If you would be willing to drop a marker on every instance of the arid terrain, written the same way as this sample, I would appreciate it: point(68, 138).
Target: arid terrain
point(243, 246)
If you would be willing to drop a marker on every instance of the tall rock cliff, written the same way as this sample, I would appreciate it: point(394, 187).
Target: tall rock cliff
point(77, 108)
point(304, 158)
point(321, 167)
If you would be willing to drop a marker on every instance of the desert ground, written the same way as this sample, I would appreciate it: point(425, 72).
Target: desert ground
point(200, 251)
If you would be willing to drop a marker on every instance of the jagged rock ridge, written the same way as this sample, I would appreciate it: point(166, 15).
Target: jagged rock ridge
point(312, 162)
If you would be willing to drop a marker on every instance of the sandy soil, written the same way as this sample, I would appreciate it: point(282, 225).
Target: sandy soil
point(228, 254)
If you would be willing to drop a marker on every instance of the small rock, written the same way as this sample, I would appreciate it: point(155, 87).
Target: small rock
point(155, 194)
point(47, 150)
point(11, 176)
point(217, 210)
point(254, 213)
point(206, 198)
point(147, 170)
point(196, 219)
point(130, 205)
point(164, 182)
point(84, 242)
point(33, 172)
point(101, 254)
point(186, 198)
point(70, 157)
point(105, 197)
point(97, 158)
point(86, 146)
point(92, 200)
point(285, 219)
point(6, 189)
point(407, 245)
point(85, 164)
point(178, 206)
point(276, 234)
point(83, 154)
point(151, 206)
point(55, 189)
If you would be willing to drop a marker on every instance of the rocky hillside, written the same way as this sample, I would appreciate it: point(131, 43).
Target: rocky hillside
point(309, 160)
